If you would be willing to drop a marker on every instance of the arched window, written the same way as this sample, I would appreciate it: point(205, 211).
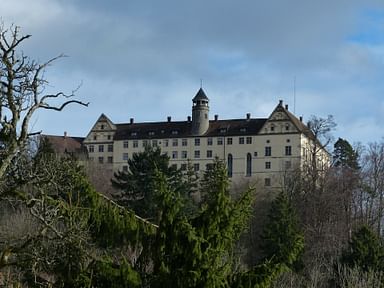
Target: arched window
point(249, 165)
point(230, 165)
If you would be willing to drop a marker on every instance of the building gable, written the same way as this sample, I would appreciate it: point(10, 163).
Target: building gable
point(102, 125)
point(281, 121)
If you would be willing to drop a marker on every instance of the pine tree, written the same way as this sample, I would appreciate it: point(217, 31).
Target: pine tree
point(344, 155)
point(138, 184)
point(197, 252)
point(365, 251)
point(282, 240)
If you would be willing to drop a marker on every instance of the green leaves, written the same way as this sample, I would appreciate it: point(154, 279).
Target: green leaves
point(365, 251)
point(197, 252)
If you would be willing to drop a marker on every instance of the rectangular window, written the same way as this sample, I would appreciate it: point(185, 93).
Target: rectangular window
point(184, 142)
point(288, 150)
point(110, 159)
point(145, 143)
point(125, 156)
point(229, 141)
point(197, 141)
point(267, 181)
point(268, 151)
point(220, 141)
point(183, 167)
point(209, 153)
point(184, 154)
point(101, 160)
point(174, 154)
point(288, 165)
point(241, 140)
point(166, 143)
point(135, 143)
point(154, 143)
point(209, 141)
point(174, 166)
point(175, 142)
point(249, 140)
point(209, 166)
point(125, 144)
point(110, 147)
point(197, 153)
point(91, 148)
point(268, 165)
point(196, 167)
point(125, 168)
point(101, 148)
point(109, 137)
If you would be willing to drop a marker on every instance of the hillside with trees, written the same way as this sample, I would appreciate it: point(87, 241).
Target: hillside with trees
point(170, 228)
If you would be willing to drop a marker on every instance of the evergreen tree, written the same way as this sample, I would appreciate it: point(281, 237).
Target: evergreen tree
point(138, 184)
point(282, 240)
point(197, 252)
point(365, 251)
point(344, 155)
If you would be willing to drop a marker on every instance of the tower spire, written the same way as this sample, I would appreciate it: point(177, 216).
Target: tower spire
point(200, 113)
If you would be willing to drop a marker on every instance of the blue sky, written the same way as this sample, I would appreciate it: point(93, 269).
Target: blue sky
point(145, 59)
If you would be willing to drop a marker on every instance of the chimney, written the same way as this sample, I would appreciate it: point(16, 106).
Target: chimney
point(65, 134)
point(169, 118)
point(216, 117)
point(189, 118)
point(248, 116)
point(281, 102)
point(286, 106)
point(301, 118)
point(131, 121)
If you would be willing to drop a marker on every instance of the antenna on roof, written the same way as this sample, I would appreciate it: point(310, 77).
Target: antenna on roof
point(294, 95)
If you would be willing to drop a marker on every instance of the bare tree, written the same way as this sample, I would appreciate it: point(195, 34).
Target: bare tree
point(371, 202)
point(22, 93)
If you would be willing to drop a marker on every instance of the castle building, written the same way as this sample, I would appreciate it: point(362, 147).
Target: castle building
point(253, 148)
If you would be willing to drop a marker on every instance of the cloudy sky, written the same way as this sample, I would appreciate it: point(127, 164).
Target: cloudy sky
point(146, 58)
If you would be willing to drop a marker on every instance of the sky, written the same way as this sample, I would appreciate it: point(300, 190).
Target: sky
point(146, 59)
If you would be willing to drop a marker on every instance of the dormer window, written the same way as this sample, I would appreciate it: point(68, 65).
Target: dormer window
point(223, 130)
point(272, 127)
point(133, 133)
point(151, 133)
point(102, 127)
point(175, 132)
point(243, 129)
point(286, 127)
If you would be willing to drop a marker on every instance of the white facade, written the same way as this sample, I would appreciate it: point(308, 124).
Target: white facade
point(261, 148)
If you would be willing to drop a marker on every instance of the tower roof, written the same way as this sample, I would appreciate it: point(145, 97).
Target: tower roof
point(200, 95)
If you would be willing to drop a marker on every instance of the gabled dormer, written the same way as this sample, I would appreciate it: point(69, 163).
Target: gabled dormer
point(281, 121)
point(102, 131)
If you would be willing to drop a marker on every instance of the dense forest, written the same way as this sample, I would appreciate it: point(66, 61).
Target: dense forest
point(168, 228)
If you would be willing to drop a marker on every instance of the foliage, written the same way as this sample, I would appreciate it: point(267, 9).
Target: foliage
point(344, 155)
point(365, 251)
point(197, 252)
point(138, 184)
point(283, 242)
